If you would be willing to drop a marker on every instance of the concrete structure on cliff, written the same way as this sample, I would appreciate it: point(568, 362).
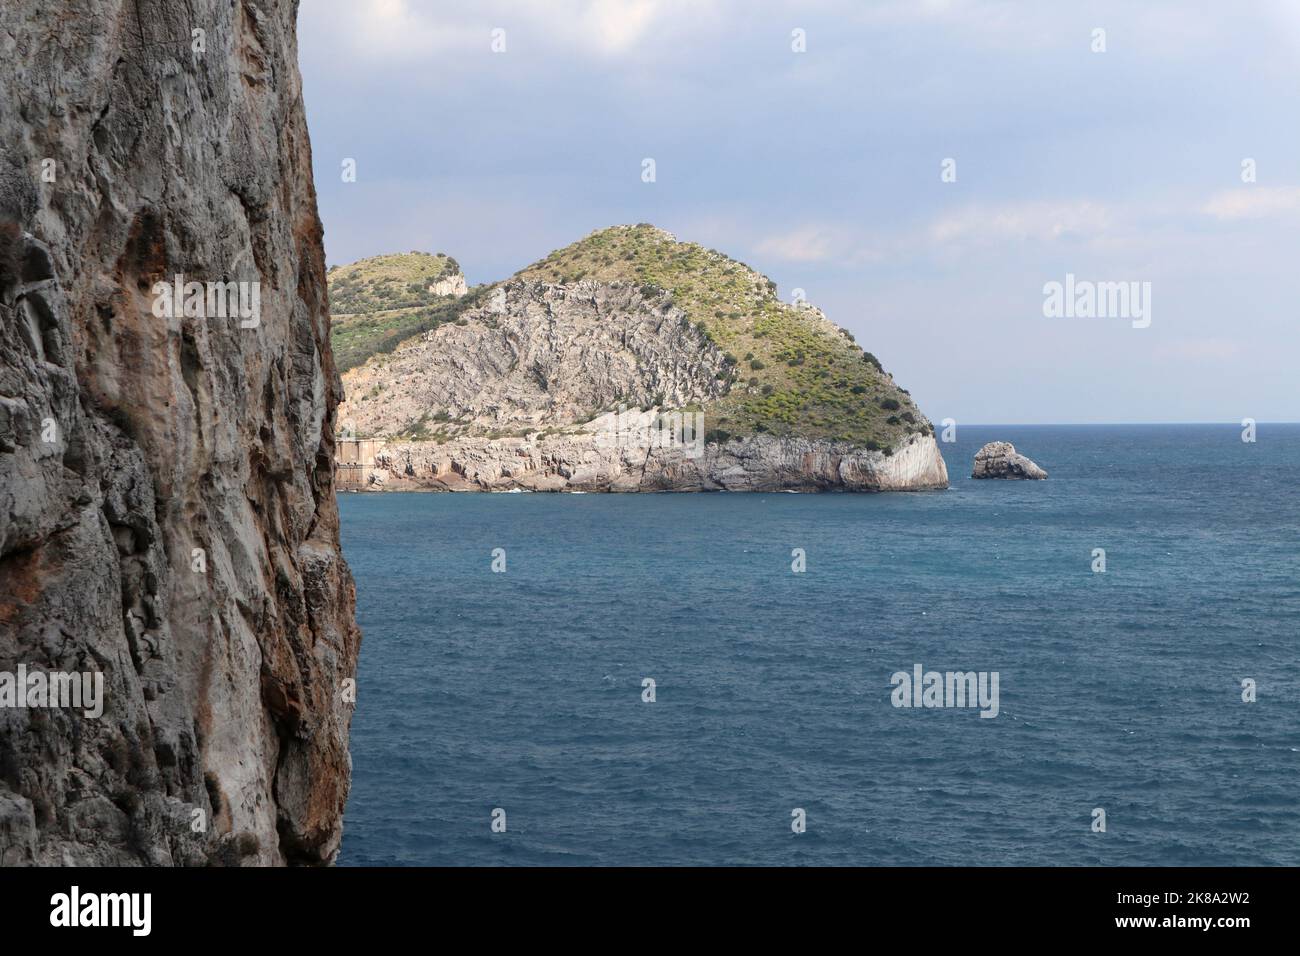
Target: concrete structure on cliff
point(354, 460)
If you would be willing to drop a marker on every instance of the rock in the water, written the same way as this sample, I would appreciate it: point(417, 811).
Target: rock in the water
point(999, 459)
point(167, 510)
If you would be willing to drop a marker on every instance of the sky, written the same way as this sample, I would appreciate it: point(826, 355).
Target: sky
point(1154, 142)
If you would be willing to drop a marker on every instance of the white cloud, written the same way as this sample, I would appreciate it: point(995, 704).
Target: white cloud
point(1254, 202)
point(1199, 350)
point(384, 29)
point(388, 29)
point(616, 25)
point(1130, 231)
point(809, 244)
point(1037, 220)
point(962, 231)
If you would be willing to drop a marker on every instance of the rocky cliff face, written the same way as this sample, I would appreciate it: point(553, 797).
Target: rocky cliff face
point(453, 285)
point(632, 362)
point(167, 515)
point(536, 356)
point(598, 461)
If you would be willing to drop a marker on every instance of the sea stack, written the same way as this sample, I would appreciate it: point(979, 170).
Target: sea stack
point(999, 459)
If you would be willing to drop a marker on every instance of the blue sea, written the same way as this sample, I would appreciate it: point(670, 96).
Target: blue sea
point(1122, 691)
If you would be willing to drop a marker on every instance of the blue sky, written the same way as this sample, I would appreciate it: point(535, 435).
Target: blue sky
point(822, 169)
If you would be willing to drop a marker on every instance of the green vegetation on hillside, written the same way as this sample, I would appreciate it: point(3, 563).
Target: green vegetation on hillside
point(358, 337)
point(790, 372)
point(380, 302)
point(383, 283)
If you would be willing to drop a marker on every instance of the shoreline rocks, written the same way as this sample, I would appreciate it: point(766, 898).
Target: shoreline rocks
point(999, 459)
point(586, 463)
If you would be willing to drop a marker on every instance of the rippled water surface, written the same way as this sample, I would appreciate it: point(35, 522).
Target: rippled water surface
point(1120, 690)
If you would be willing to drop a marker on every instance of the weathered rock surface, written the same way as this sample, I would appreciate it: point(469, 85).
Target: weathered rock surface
point(999, 459)
point(506, 397)
point(453, 285)
point(538, 355)
point(167, 514)
point(600, 462)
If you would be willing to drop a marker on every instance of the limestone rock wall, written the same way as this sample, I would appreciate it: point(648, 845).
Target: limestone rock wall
point(167, 515)
point(594, 462)
point(502, 402)
point(534, 356)
point(452, 285)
